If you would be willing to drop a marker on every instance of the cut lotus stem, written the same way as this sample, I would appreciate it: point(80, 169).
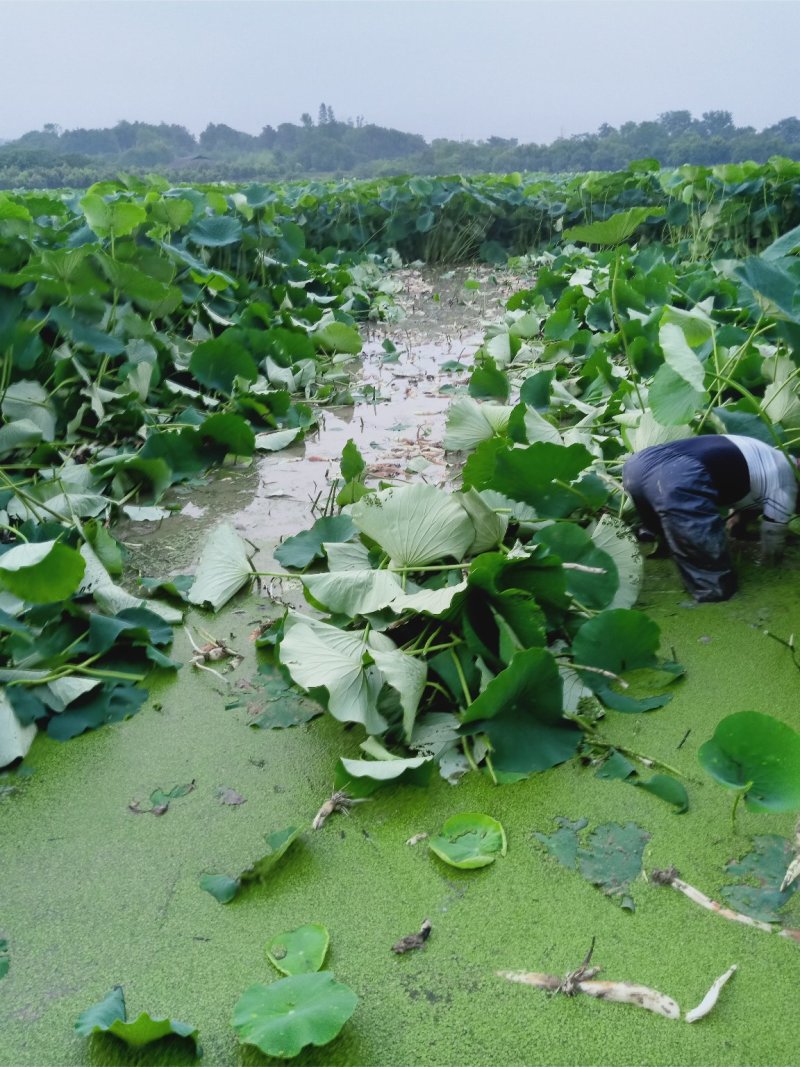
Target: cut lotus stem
point(792, 874)
point(582, 567)
point(338, 801)
point(640, 996)
point(672, 878)
point(711, 997)
point(793, 870)
point(600, 670)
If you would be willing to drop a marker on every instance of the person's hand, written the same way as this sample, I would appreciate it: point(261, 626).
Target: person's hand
point(773, 538)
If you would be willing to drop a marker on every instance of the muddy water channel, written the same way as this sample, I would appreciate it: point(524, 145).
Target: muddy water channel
point(397, 422)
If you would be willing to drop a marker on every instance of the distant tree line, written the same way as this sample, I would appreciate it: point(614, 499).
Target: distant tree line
point(52, 157)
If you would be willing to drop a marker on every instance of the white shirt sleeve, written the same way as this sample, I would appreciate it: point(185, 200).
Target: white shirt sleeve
point(773, 485)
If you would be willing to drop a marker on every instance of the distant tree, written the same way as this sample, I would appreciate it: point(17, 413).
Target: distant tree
point(675, 123)
point(717, 123)
point(267, 136)
point(787, 129)
point(221, 139)
point(331, 117)
point(306, 120)
point(322, 117)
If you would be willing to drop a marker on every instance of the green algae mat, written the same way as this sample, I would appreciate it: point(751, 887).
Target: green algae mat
point(96, 894)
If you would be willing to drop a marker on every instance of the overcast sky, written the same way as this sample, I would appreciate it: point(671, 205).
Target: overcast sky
point(530, 69)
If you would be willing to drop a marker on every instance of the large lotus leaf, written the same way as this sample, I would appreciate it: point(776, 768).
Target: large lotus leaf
point(301, 549)
point(15, 739)
point(673, 400)
point(540, 475)
point(148, 292)
point(321, 656)
point(102, 1014)
point(519, 711)
point(784, 246)
point(111, 598)
point(614, 230)
point(646, 431)
point(538, 575)
point(617, 640)
point(112, 218)
point(352, 593)
point(61, 502)
point(111, 703)
point(757, 753)
point(216, 231)
point(300, 951)
point(218, 362)
point(277, 439)
point(30, 401)
point(679, 356)
point(42, 572)
point(416, 524)
point(21, 433)
point(614, 537)
point(781, 402)
point(223, 569)
point(469, 423)
point(361, 777)
point(469, 840)
point(490, 528)
point(486, 381)
point(338, 337)
point(145, 1029)
point(62, 692)
point(775, 283)
point(528, 425)
point(429, 601)
point(695, 325)
point(228, 434)
point(109, 1016)
point(283, 1018)
point(407, 675)
point(346, 556)
point(573, 545)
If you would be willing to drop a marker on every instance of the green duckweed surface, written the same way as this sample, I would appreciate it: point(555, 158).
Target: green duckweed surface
point(93, 895)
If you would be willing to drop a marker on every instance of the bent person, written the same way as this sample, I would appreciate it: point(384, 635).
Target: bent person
point(680, 489)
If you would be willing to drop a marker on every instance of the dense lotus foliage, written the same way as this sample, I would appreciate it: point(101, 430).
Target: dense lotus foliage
point(149, 332)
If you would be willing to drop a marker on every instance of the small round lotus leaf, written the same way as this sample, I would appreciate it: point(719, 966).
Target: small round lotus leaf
point(300, 951)
point(756, 750)
point(470, 840)
point(286, 1016)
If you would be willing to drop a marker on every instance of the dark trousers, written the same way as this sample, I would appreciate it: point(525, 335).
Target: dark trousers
point(676, 499)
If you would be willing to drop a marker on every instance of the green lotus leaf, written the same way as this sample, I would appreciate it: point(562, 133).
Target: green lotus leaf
point(469, 840)
point(283, 1018)
point(216, 231)
point(300, 951)
point(469, 423)
point(224, 568)
point(614, 230)
point(757, 755)
point(362, 777)
point(416, 524)
point(41, 572)
point(109, 1016)
point(301, 549)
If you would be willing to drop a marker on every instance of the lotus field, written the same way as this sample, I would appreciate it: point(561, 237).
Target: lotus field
point(476, 620)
